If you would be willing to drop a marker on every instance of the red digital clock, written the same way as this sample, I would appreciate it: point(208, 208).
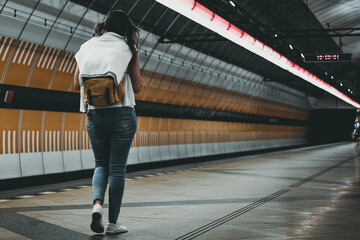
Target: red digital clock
point(335, 57)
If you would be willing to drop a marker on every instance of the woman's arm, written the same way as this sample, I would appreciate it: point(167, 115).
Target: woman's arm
point(134, 72)
point(76, 78)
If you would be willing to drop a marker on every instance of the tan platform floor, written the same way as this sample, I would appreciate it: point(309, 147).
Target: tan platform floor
point(308, 193)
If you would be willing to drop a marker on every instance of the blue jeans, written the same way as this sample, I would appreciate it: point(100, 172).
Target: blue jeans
point(111, 132)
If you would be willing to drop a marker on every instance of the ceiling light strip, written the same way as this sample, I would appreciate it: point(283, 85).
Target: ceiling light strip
point(202, 15)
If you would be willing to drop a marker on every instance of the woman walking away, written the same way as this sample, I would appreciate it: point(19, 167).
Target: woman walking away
point(111, 121)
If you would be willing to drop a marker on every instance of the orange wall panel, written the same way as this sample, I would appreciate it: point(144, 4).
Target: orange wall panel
point(64, 74)
point(85, 141)
point(53, 123)
point(9, 123)
point(30, 139)
point(161, 94)
point(72, 124)
point(44, 68)
point(154, 131)
point(6, 45)
point(187, 124)
point(150, 94)
point(174, 125)
point(17, 72)
point(196, 131)
point(164, 131)
point(143, 130)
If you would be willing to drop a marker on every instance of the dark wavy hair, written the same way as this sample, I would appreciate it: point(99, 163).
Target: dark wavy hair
point(119, 22)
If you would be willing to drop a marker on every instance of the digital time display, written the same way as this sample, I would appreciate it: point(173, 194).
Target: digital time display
point(337, 57)
point(328, 57)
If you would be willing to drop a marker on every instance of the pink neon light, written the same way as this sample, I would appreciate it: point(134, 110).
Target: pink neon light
point(284, 60)
point(204, 12)
point(296, 67)
point(248, 38)
point(258, 44)
point(291, 64)
point(268, 50)
point(276, 55)
point(189, 4)
point(199, 13)
point(316, 79)
point(236, 31)
point(222, 23)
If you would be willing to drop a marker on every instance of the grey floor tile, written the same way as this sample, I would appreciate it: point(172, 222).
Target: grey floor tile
point(225, 200)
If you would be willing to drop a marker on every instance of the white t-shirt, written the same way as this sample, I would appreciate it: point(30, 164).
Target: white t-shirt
point(107, 55)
